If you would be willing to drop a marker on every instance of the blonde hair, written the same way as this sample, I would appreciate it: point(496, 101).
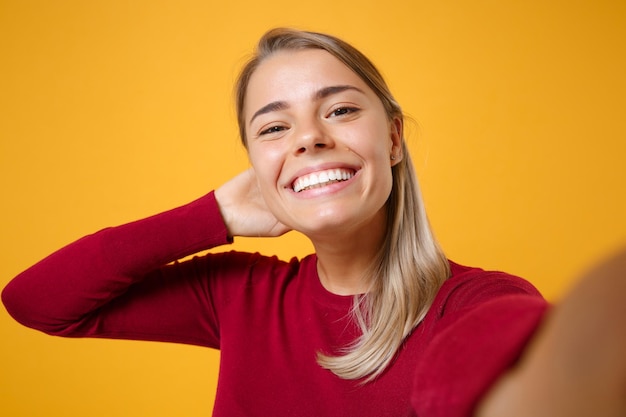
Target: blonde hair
point(410, 267)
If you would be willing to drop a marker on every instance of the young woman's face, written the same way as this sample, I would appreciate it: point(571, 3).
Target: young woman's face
point(320, 143)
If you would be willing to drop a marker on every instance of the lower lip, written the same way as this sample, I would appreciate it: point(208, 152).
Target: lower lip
point(326, 190)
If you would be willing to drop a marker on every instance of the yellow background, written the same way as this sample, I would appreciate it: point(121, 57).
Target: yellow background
point(112, 110)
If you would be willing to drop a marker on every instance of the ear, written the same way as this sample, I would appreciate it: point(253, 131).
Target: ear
point(395, 134)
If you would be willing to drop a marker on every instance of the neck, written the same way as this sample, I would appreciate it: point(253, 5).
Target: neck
point(345, 258)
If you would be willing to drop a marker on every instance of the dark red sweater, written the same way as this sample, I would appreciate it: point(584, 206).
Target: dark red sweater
point(269, 318)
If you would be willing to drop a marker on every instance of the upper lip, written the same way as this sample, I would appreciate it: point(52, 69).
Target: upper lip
point(317, 168)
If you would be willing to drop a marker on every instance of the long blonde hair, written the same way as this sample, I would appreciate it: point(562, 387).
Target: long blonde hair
point(410, 267)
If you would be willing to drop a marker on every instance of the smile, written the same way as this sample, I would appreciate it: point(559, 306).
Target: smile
point(321, 179)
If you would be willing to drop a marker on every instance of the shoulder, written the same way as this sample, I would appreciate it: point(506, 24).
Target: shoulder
point(254, 260)
point(477, 328)
point(473, 302)
point(240, 283)
point(251, 268)
point(472, 286)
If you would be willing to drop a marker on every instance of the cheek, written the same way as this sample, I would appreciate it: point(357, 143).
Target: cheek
point(267, 167)
point(267, 179)
point(372, 138)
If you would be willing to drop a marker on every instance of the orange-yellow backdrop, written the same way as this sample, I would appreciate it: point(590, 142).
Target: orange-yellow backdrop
point(113, 110)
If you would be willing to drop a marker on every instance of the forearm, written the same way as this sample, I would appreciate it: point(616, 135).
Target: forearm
point(576, 364)
point(87, 274)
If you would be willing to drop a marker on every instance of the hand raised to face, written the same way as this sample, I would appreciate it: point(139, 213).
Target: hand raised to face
point(244, 210)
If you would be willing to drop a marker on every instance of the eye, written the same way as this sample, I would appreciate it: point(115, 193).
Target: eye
point(342, 111)
point(272, 129)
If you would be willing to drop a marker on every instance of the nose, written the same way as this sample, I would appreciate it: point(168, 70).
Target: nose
point(311, 136)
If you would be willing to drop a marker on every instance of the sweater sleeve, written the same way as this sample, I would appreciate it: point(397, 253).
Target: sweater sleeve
point(121, 283)
point(482, 328)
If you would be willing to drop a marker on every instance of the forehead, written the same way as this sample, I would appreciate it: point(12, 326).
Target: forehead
point(292, 75)
point(306, 62)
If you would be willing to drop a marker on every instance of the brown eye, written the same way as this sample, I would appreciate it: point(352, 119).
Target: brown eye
point(272, 129)
point(341, 111)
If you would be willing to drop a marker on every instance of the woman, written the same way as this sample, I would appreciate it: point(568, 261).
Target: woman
point(376, 323)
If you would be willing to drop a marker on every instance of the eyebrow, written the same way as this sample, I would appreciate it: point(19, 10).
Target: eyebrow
point(334, 89)
point(319, 95)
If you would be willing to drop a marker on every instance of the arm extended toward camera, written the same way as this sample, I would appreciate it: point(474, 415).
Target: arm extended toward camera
point(576, 364)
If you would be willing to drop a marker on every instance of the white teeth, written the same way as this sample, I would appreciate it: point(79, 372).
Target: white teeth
point(322, 178)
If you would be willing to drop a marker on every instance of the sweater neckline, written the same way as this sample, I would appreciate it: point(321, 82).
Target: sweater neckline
point(319, 292)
